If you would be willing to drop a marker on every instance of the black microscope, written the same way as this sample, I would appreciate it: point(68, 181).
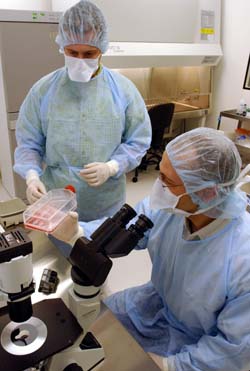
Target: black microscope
point(49, 336)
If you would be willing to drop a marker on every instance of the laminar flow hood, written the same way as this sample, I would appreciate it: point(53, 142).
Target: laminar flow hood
point(126, 55)
point(149, 33)
point(146, 33)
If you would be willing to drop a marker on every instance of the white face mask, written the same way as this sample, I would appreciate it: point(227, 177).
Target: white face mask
point(81, 70)
point(162, 198)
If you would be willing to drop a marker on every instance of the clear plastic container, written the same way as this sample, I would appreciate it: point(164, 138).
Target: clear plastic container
point(46, 213)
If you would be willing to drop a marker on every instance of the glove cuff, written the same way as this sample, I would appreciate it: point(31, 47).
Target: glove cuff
point(113, 167)
point(78, 234)
point(31, 175)
point(169, 364)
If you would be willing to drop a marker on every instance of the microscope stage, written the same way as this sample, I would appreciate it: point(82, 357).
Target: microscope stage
point(62, 331)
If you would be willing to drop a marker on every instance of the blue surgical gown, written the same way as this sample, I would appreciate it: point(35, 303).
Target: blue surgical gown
point(64, 125)
point(196, 308)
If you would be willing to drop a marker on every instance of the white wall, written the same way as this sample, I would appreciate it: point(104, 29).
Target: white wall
point(59, 5)
point(26, 4)
point(229, 74)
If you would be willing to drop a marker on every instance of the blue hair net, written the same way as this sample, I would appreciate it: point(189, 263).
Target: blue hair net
point(83, 23)
point(209, 165)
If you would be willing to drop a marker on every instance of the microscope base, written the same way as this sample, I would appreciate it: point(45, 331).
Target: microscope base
point(63, 331)
point(88, 355)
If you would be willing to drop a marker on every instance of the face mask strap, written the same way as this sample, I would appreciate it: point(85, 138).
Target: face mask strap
point(243, 177)
point(245, 171)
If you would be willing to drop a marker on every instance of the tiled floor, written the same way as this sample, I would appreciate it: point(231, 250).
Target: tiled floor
point(137, 191)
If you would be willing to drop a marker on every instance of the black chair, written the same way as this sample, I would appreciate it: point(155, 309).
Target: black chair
point(161, 117)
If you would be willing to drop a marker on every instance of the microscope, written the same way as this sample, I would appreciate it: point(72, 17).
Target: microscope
point(49, 336)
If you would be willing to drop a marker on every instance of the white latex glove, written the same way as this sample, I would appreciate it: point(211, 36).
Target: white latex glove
point(35, 188)
point(69, 229)
point(97, 173)
point(161, 362)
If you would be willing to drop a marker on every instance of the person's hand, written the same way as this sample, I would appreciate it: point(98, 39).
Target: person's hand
point(69, 229)
point(160, 361)
point(97, 173)
point(35, 188)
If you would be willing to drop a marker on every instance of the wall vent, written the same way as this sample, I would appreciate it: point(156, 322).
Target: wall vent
point(209, 59)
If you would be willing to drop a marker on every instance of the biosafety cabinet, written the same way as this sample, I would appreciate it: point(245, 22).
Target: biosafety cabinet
point(166, 47)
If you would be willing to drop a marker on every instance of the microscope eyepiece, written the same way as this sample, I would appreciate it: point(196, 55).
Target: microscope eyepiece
point(112, 226)
point(124, 241)
point(110, 240)
point(124, 215)
point(141, 226)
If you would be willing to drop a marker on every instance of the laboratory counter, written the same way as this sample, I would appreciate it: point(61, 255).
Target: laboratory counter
point(233, 115)
point(182, 111)
point(122, 352)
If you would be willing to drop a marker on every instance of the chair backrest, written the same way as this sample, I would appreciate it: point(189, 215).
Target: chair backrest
point(161, 117)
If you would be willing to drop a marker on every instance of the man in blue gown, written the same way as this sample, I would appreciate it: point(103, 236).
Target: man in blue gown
point(194, 314)
point(83, 124)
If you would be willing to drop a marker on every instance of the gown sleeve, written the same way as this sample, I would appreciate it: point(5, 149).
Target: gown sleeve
point(137, 135)
point(30, 138)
